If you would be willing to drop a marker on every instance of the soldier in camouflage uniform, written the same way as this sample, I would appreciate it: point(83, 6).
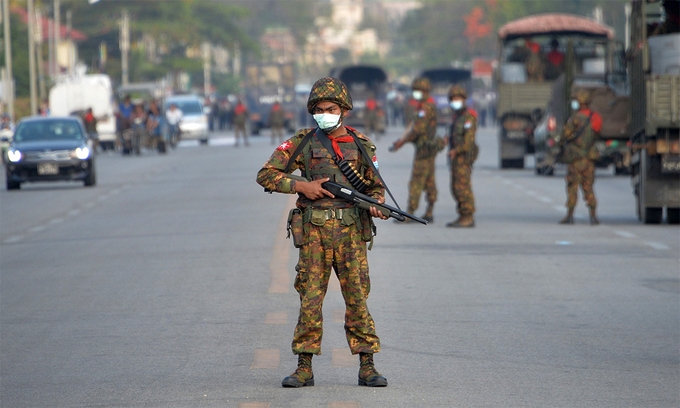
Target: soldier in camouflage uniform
point(462, 153)
point(333, 231)
point(421, 132)
point(580, 153)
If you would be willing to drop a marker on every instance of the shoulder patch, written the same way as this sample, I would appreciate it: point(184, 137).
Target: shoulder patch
point(468, 124)
point(285, 145)
point(375, 161)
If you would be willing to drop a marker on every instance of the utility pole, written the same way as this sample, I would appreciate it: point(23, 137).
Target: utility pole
point(56, 38)
point(206, 48)
point(124, 44)
point(9, 80)
point(31, 57)
point(39, 53)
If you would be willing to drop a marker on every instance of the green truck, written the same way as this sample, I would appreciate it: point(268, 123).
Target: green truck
point(525, 76)
point(655, 116)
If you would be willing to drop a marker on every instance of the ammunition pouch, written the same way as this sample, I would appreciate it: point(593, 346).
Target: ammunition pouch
point(295, 227)
point(300, 221)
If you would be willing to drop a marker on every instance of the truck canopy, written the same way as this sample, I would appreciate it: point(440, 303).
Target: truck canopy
point(446, 75)
point(370, 75)
point(554, 24)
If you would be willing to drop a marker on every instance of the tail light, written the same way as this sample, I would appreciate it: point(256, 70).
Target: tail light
point(552, 124)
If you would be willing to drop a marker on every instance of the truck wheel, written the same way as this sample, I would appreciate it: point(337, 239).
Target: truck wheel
point(673, 215)
point(512, 163)
point(621, 171)
point(653, 215)
point(91, 179)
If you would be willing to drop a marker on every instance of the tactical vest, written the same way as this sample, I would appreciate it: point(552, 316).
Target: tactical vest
point(584, 145)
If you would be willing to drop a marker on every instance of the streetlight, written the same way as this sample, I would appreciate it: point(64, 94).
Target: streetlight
point(9, 81)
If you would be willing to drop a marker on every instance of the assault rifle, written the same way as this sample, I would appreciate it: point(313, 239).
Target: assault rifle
point(363, 201)
point(560, 153)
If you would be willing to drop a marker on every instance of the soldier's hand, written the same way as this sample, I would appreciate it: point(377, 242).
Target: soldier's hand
point(377, 214)
point(313, 189)
point(453, 153)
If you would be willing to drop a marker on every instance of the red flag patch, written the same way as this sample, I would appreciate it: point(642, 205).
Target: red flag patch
point(285, 146)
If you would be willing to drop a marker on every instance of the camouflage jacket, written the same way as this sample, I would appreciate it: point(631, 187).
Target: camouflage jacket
point(581, 146)
point(315, 162)
point(422, 136)
point(463, 130)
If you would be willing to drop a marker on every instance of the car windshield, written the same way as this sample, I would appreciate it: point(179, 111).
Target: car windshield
point(188, 107)
point(48, 130)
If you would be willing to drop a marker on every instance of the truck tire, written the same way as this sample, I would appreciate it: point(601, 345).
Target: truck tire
point(673, 215)
point(13, 185)
point(512, 163)
point(91, 178)
point(652, 215)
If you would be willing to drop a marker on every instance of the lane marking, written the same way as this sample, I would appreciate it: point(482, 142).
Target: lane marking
point(276, 318)
point(531, 193)
point(37, 229)
point(254, 405)
point(342, 357)
point(507, 182)
point(657, 246)
point(73, 213)
point(278, 267)
point(13, 240)
point(56, 221)
point(266, 358)
point(545, 200)
point(343, 404)
point(625, 234)
point(559, 208)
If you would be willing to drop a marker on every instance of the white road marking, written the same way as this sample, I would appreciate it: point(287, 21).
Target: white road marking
point(531, 193)
point(559, 208)
point(545, 200)
point(13, 240)
point(508, 182)
point(57, 221)
point(37, 229)
point(626, 234)
point(73, 213)
point(657, 246)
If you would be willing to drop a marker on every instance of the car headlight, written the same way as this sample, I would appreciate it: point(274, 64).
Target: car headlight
point(81, 153)
point(14, 155)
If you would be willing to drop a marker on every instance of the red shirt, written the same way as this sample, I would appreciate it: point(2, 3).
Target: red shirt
point(240, 109)
point(556, 58)
point(371, 104)
point(595, 120)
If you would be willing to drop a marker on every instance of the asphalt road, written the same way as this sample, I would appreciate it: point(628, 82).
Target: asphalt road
point(169, 284)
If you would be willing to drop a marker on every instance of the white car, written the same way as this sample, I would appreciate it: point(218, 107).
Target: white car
point(194, 124)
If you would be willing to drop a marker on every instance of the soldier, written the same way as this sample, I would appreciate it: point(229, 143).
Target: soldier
point(276, 122)
point(331, 233)
point(240, 119)
point(462, 152)
point(580, 153)
point(421, 132)
point(371, 115)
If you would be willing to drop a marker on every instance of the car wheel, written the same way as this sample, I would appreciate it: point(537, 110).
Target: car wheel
point(91, 179)
point(653, 215)
point(203, 141)
point(13, 185)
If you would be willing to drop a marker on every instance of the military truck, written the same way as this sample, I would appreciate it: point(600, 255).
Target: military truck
point(266, 83)
point(525, 75)
point(655, 117)
point(441, 80)
point(363, 81)
point(610, 98)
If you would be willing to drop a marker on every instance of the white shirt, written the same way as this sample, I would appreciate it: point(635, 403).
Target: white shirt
point(173, 117)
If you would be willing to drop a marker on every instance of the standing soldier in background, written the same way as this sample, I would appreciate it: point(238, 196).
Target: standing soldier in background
point(330, 232)
point(463, 152)
point(421, 132)
point(276, 122)
point(580, 153)
point(371, 116)
point(240, 119)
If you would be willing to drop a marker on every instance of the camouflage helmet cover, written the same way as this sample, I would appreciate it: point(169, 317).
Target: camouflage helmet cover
point(583, 96)
point(329, 90)
point(457, 90)
point(421, 84)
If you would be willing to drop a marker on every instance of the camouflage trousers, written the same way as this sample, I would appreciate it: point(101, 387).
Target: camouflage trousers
point(461, 186)
point(422, 178)
point(581, 172)
point(240, 129)
point(338, 247)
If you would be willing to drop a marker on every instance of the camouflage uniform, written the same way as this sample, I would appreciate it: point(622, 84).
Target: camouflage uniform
point(240, 119)
point(580, 154)
point(462, 139)
point(427, 145)
point(335, 236)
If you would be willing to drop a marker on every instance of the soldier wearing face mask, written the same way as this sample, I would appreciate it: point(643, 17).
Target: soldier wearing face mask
point(463, 152)
point(330, 232)
point(421, 131)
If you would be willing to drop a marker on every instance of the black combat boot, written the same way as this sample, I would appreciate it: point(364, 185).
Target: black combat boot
point(569, 218)
point(303, 375)
point(593, 217)
point(464, 221)
point(368, 376)
point(428, 213)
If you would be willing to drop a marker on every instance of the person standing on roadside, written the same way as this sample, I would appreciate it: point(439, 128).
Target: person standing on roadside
point(240, 119)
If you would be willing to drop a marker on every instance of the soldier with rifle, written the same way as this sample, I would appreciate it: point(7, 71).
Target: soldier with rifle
point(330, 225)
point(578, 151)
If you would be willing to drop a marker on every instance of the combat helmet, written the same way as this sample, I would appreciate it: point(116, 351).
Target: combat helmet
point(457, 90)
point(583, 96)
point(421, 84)
point(330, 90)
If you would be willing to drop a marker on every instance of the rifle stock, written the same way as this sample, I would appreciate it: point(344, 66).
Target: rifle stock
point(363, 201)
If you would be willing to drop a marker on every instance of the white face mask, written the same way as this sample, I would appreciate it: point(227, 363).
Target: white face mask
point(417, 95)
point(456, 105)
point(327, 121)
point(575, 105)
